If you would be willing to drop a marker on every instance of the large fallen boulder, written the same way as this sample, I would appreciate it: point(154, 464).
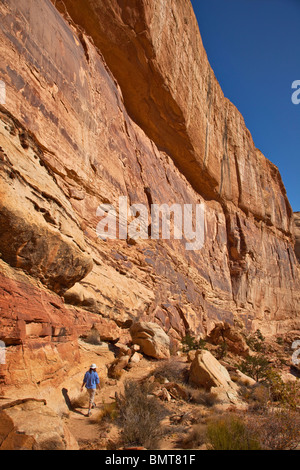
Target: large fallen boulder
point(152, 339)
point(207, 372)
point(31, 425)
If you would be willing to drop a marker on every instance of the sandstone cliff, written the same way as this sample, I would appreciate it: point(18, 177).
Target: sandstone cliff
point(297, 234)
point(118, 99)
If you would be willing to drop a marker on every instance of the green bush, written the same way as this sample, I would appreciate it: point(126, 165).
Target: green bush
point(256, 341)
point(189, 343)
point(222, 350)
point(230, 433)
point(255, 366)
point(287, 394)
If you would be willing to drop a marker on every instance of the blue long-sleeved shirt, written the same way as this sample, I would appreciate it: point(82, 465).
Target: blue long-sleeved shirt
point(91, 379)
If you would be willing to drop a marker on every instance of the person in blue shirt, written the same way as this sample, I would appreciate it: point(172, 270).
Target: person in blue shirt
point(91, 382)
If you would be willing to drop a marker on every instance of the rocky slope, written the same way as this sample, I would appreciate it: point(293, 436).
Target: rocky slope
point(118, 99)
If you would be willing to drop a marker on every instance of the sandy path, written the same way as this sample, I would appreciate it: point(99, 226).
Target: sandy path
point(88, 432)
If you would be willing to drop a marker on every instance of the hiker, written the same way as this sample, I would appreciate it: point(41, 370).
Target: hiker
point(91, 382)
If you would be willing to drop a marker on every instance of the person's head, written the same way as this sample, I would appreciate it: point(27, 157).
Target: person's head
point(93, 367)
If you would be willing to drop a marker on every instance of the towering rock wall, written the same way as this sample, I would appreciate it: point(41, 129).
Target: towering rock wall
point(117, 99)
point(297, 234)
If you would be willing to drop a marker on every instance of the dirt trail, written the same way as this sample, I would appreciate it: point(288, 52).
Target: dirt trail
point(91, 433)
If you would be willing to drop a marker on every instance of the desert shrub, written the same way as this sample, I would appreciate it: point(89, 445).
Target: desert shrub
point(287, 394)
point(254, 366)
point(189, 343)
point(139, 415)
point(79, 402)
point(171, 369)
point(222, 350)
point(195, 438)
point(202, 397)
point(259, 399)
point(230, 433)
point(245, 393)
point(256, 341)
point(277, 429)
point(93, 337)
point(108, 412)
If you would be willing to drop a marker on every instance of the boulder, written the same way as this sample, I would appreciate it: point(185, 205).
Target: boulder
point(152, 339)
point(207, 372)
point(223, 332)
point(177, 391)
point(122, 350)
point(243, 379)
point(116, 368)
point(191, 355)
point(135, 358)
point(31, 425)
point(225, 399)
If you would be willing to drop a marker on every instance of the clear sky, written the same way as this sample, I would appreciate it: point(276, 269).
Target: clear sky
point(254, 49)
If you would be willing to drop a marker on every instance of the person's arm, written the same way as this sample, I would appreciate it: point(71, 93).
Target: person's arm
point(98, 382)
point(83, 383)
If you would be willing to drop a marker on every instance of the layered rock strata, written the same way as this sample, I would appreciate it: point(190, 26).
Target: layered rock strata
point(118, 99)
point(297, 234)
point(43, 431)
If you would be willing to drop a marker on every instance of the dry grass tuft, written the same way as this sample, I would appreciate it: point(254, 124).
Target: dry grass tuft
point(174, 370)
point(194, 439)
point(80, 402)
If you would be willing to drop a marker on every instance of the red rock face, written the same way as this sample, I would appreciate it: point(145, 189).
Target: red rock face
point(126, 104)
point(297, 234)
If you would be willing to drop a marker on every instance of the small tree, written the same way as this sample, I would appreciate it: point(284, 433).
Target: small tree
point(256, 341)
point(189, 343)
point(255, 366)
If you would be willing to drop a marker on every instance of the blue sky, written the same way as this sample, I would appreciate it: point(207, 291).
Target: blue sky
point(254, 49)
